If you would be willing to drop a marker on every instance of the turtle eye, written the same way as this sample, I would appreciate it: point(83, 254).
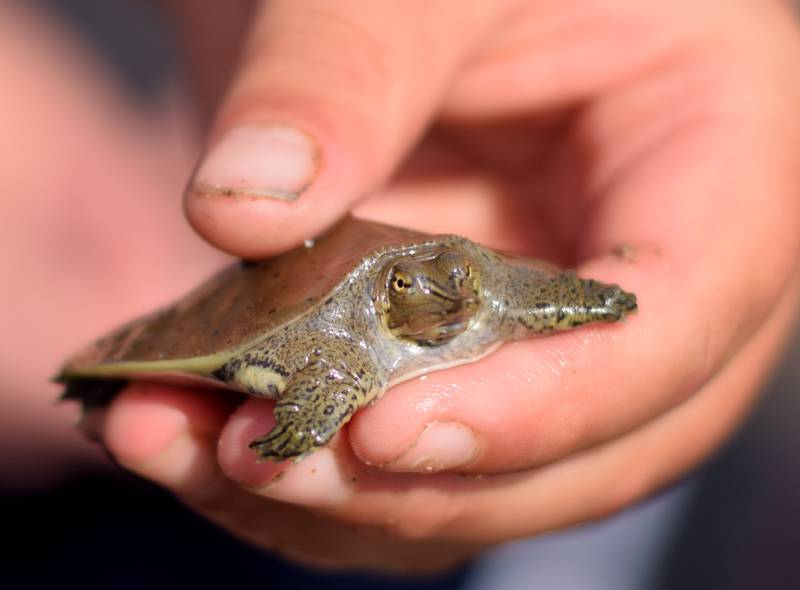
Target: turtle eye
point(401, 282)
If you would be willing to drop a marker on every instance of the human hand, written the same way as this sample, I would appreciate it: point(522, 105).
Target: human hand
point(89, 235)
point(664, 132)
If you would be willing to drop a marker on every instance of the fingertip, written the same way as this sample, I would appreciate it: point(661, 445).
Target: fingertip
point(411, 429)
point(318, 480)
point(147, 421)
point(238, 461)
point(255, 200)
point(441, 446)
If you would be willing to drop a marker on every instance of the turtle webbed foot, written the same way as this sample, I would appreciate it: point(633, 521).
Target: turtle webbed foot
point(317, 402)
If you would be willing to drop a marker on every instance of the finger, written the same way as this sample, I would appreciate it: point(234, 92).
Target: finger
point(659, 187)
point(209, 34)
point(613, 476)
point(160, 433)
point(567, 52)
point(169, 435)
point(327, 100)
point(584, 486)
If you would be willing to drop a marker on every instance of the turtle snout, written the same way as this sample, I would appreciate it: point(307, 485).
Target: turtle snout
point(618, 301)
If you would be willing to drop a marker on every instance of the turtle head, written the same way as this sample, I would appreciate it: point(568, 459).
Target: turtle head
point(429, 299)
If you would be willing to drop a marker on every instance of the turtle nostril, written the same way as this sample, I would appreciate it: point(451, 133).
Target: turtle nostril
point(616, 298)
point(610, 295)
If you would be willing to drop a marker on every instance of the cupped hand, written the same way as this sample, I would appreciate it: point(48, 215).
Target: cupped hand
point(649, 144)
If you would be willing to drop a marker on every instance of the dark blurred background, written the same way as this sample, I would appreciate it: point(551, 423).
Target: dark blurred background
point(733, 525)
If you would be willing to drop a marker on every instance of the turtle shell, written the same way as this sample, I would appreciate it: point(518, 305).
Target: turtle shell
point(200, 332)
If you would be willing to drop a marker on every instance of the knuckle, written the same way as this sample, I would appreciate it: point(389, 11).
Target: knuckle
point(423, 516)
point(334, 51)
point(627, 491)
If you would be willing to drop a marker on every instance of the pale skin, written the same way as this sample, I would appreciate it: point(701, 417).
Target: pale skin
point(651, 144)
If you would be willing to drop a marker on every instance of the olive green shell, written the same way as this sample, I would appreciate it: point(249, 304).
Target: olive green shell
point(235, 307)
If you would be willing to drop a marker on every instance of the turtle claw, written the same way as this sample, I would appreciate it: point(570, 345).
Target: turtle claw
point(282, 443)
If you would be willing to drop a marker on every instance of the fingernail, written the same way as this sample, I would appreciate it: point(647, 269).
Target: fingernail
point(441, 446)
point(277, 162)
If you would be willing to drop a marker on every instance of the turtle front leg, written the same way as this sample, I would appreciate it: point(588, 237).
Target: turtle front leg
point(318, 400)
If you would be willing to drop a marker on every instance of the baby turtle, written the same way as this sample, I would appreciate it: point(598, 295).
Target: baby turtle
point(328, 327)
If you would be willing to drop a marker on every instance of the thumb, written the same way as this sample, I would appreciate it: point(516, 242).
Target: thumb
point(328, 98)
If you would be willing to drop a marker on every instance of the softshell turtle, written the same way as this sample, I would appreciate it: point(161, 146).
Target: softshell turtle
point(328, 327)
